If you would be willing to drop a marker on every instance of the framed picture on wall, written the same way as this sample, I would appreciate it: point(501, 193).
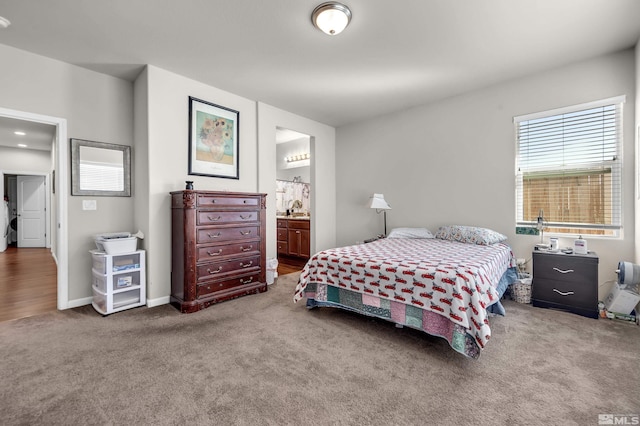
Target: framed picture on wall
point(213, 140)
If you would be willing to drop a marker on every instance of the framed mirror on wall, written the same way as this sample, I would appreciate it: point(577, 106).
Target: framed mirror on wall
point(100, 169)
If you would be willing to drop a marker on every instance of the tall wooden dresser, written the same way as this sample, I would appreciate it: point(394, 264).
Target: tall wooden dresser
point(218, 247)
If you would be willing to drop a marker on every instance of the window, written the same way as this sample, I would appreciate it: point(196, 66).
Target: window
point(568, 166)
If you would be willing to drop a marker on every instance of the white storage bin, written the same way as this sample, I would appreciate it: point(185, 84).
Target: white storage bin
point(104, 263)
point(125, 298)
point(118, 281)
point(99, 301)
point(99, 262)
point(99, 282)
point(117, 245)
point(125, 280)
point(125, 263)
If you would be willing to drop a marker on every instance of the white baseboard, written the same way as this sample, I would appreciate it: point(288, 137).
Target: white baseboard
point(87, 301)
point(79, 302)
point(158, 301)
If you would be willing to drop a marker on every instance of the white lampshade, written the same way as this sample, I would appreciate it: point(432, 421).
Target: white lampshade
point(377, 202)
point(331, 17)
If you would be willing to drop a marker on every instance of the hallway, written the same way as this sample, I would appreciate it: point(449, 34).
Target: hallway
point(28, 282)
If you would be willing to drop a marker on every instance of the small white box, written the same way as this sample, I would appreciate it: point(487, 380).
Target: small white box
point(621, 301)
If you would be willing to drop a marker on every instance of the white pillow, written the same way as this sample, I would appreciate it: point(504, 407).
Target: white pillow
point(410, 233)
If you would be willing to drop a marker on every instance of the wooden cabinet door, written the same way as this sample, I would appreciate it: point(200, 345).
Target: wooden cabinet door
point(305, 243)
point(294, 241)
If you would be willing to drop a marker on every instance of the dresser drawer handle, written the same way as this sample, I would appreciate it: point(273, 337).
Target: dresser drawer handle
point(297, 232)
point(214, 235)
point(246, 265)
point(216, 271)
point(568, 293)
point(245, 217)
point(563, 271)
point(247, 281)
point(214, 254)
point(246, 248)
point(214, 219)
point(245, 233)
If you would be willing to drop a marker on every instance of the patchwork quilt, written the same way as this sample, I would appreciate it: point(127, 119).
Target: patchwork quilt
point(438, 286)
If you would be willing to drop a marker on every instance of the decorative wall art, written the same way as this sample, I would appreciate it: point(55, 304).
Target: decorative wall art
point(213, 140)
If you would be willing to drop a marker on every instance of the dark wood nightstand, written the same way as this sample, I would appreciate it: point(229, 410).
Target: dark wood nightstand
point(566, 281)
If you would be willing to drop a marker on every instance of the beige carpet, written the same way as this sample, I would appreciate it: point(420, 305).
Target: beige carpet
point(262, 359)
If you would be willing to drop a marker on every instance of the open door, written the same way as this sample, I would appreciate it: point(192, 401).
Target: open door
point(31, 211)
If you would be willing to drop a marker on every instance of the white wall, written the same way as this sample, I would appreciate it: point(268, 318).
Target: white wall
point(323, 173)
point(25, 160)
point(98, 108)
point(162, 107)
point(637, 145)
point(453, 162)
point(166, 127)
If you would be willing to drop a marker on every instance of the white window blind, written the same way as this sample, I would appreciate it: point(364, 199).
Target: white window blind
point(568, 165)
point(101, 176)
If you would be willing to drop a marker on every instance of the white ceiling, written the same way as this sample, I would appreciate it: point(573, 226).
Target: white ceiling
point(37, 135)
point(394, 54)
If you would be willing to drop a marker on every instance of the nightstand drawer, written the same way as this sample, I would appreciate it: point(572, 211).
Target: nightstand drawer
point(566, 281)
point(582, 295)
point(565, 268)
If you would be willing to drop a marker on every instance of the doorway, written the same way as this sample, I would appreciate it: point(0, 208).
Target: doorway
point(58, 239)
point(28, 213)
point(293, 199)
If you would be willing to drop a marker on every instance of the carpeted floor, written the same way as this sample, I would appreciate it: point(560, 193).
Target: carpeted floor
point(262, 359)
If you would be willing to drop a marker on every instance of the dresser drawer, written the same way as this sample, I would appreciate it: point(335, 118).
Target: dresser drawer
point(216, 218)
point(218, 269)
point(213, 252)
point(282, 234)
point(282, 223)
point(209, 288)
point(212, 235)
point(205, 200)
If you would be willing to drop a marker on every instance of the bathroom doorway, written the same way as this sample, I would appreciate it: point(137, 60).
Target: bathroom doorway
point(293, 199)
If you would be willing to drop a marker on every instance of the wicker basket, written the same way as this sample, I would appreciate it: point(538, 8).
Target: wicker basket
point(521, 290)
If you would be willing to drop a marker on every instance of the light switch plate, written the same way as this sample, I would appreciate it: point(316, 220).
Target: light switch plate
point(89, 205)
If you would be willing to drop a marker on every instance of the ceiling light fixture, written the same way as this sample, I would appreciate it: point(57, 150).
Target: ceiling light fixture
point(4, 22)
point(21, 145)
point(19, 133)
point(331, 17)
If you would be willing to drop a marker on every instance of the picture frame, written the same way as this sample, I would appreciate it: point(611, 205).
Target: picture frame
point(213, 140)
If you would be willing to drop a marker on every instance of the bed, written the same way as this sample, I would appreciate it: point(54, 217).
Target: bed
point(445, 285)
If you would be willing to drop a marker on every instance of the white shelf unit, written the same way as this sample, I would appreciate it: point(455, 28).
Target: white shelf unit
point(118, 281)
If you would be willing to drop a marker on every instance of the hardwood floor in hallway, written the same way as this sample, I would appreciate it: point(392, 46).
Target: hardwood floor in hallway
point(28, 282)
point(288, 265)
